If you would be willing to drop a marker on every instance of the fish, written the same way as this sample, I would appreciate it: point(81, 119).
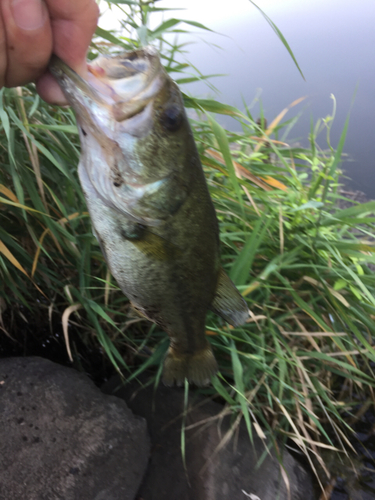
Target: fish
point(149, 203)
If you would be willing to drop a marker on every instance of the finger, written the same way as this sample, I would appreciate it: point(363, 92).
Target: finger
point(27, 40)
point(73, 24)
point(49, 90)
point(3, 53)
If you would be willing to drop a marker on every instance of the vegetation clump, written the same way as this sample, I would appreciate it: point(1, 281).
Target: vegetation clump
point(302, 369)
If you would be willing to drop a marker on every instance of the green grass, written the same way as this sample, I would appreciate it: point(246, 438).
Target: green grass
point(303, 366)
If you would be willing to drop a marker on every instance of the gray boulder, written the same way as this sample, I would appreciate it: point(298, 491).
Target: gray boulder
point(62, 439)
point(213, 470)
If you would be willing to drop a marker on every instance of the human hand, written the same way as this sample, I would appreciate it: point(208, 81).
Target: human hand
point(31, 30)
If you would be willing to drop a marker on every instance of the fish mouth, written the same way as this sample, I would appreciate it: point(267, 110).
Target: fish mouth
point(123, 85)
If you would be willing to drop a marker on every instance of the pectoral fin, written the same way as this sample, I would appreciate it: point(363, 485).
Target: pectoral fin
point(228, 302)
point(151, 244)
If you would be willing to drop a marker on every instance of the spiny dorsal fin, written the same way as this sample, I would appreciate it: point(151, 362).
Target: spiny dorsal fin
point(228, 302)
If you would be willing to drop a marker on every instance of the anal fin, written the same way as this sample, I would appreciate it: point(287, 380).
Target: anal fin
point(228, 302)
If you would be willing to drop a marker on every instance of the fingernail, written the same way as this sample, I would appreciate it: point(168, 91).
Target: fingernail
point(28, 14)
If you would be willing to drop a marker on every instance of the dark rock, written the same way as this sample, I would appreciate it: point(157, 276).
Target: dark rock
point(61, 438)
point(215, 470)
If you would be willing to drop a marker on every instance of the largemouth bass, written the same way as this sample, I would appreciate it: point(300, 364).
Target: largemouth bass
point(149, 203)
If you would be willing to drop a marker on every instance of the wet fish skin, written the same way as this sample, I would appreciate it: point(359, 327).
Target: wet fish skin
point(149, 204)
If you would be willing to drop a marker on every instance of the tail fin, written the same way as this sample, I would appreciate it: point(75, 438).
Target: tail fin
point(198, 368)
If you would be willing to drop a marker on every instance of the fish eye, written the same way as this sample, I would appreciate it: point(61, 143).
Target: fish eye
point(171, 118)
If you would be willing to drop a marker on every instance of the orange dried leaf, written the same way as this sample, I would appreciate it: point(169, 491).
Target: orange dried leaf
point(276, 121)
point(7, 192)
point(8, 254)
point(242, 172)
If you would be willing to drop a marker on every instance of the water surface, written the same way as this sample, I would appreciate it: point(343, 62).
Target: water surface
point(333, 41)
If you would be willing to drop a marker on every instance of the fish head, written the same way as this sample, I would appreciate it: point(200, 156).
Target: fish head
point(136, 139)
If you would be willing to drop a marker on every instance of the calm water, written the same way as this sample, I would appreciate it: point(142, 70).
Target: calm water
point(334, 44)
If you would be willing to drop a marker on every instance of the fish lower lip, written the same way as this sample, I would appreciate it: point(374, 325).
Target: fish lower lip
point(61, 71)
